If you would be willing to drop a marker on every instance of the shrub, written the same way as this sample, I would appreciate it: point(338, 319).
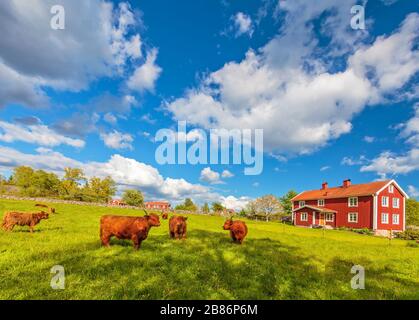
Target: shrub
point(409, 234)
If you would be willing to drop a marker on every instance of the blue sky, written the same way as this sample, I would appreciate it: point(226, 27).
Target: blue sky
point(334, 102)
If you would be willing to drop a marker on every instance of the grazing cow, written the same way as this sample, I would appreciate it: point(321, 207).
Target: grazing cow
point(238, 230)
point(123, 227)
point(164, 215)
point(177, 227)
point(11, 219)
point(51, 209)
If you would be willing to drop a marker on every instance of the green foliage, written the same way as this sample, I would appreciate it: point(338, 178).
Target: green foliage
point(408, 234)
point(217, 207)
point(286, 202)
point(188, 205)
point(205, 208)
point(133, 197)
point(412, 212)
point(276, 261)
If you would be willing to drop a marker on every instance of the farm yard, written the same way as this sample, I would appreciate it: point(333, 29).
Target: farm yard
point(276, 261)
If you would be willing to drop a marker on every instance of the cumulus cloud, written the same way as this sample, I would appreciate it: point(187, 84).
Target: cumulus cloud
point(413, 191)
point(145, 76)
point(38, 134)
point(117, 140)
point(125, 171)
point(227, 174)
point(231, 202)
point(99, 40)
point(210, 176)
point(77, 125)
point(243, 24)
point(292, 94)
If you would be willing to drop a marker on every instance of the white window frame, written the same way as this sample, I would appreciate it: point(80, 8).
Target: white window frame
point(391, 188)
point(384, 214)
point(332, 215)
point(301, 203)
point(349, 217)
point(353, 205)
point(320, 203)
point(395, 215)
point(398, 203)
point(305, 214)
point(385, 205)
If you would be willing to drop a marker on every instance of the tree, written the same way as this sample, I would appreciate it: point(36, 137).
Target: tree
point(22, 177)
point(205, 208)
point(268, 205)
point(412, 212)
point(133, 197)
point(99, 190)
point(217, 207)
point(187, 205)
point(286, 202)
point(70, 185)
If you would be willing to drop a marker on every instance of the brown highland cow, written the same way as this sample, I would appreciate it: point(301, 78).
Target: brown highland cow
point(11, 219)
point(164, 215)
point(177, 227)
point(238, 230)
point(51, 209)
point(124, 227)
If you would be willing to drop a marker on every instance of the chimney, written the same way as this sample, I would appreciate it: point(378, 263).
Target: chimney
point(346, 183)
point(324, 185)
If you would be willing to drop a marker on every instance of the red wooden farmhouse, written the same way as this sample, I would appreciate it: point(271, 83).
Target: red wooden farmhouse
point(378, 205)
point(158, 205)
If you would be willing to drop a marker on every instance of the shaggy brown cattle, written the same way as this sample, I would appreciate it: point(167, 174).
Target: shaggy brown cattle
point(123, 227)
point(238, 230)
point(177, 227)
point(164, 216)
point(51, 209)
point(11, 219)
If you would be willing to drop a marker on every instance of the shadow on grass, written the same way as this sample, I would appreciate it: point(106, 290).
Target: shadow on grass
point(209, 266)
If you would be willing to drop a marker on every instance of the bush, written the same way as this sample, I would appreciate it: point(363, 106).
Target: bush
point(409, 234)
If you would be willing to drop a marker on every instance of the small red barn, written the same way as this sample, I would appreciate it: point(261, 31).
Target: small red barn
point(157, 205)
point(378, 205)
point(117, 202)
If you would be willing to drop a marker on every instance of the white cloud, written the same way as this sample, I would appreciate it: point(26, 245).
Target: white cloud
point(110, 118)
point(125, 171)
point(388, 163)
point(243, 24)
point(117, 140)
point(324, 168)
point(348, 161)
point(145, 76)
point(99, 40)
point(227, 174)
point(369, 139)
point(413, 191)
point(290, 94)
point(411, 128)
point(210, 176)
point(38, 134)
point(231, 202)
point(256, 184)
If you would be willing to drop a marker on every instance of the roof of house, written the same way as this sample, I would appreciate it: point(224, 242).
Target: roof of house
point(354, 190)
point(319, 209)
point(157, 202)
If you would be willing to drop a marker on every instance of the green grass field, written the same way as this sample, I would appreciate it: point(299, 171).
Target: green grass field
point(275, 262)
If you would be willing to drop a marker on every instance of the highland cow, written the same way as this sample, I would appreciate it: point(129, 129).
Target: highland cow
point(124, 227)
point(11, 219)
point(238, 230)
point(51, 209)
point(164, 215)
point(177, 227)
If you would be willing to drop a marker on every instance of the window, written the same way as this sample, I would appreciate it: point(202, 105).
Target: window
point(391, 188)
point(304, 216)
point(353, 202)
point(384, 201)
point(395, 219)
point(353, 217)
point(329, 217)
point(396, 202)
point(301, 204)
point(320, 203)
point(384, 218)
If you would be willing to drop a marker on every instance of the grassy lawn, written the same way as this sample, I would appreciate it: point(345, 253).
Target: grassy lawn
point(275, 262)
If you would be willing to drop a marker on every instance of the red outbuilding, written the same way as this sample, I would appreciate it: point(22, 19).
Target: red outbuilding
point(158, 205)
point(378, 205)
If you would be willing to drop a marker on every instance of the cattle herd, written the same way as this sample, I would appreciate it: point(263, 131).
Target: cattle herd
point(124, 227)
